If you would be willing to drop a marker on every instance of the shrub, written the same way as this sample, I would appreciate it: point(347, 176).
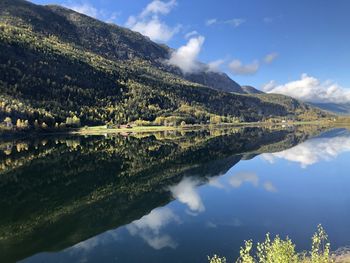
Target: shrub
point(282, 251)
point(140, 122)
point(216, 259)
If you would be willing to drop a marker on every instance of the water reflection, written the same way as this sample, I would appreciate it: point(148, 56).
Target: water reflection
point(149, 228)
point(244, 177)
point(268, 186)
point(237, 180)
point(90, 244)
point(314, 150)
point(76, 188)
point(185, 192)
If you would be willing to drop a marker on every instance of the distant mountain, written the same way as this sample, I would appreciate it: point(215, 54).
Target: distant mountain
point(251, 90)
point(338, 108)
point(215, 80)
point(336, 132)
point(58, 66)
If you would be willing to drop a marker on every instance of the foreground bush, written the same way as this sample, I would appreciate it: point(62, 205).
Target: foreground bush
point(283, 251)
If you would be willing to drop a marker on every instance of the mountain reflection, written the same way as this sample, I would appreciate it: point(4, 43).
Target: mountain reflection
point(78, 187)
point(324, 148)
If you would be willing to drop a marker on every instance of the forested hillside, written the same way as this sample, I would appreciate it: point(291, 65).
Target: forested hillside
point(59, 68)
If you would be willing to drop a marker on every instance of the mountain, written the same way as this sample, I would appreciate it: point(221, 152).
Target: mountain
point(215, 80)
point(251, 90)
point(338, 108)
point(122, 43)
point(108, 40)
point(59, 67)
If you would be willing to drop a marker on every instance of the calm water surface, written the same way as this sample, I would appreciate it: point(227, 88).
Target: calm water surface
point(171, 197)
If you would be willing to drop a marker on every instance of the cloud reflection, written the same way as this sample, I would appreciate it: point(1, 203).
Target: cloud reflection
point(268, 186)
point(215, 182)
point(186, 193)
point(313, 151)
point(244, 177)
point(91, 243)
point(149, 228)
point(240, 178)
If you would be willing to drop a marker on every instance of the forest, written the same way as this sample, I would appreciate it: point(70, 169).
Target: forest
point(73, 70)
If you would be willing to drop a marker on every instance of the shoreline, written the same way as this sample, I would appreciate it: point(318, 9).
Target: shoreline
point(96, 130)
point(102, 130)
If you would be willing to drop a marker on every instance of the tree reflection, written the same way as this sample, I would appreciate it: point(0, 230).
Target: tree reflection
point(75, 188)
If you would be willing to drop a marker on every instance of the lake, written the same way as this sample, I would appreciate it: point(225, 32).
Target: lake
point(171, 196)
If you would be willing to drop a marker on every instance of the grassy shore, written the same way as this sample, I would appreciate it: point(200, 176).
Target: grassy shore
point(146, 129)
point(103, 129)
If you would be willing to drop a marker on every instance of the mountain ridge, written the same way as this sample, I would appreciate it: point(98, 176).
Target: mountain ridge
point(338, 108)
point(97, 73)
point(112, 45)
point(251, 90)
point(216, 80)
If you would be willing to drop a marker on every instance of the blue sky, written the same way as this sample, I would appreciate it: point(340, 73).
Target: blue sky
point(265, 43)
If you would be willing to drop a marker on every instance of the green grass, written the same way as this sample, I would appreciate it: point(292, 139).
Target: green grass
point(140, 129)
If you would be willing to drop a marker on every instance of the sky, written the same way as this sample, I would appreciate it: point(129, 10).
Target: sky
point(297, 47)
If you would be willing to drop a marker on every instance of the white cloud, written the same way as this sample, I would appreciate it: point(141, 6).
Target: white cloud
point(241, 178)
point(84, 8)
point(158, 7)
point(154, 29)
point(88, 9)
point(238, 68)
point(159, 242)
point(313, 151)
point(244, 177)
point(311, 89)
point(186, 56)
point(268, 186)
point(215, 182)
point(185, 192)
point(269, 58)
point(191, 34)
point(156, 220)
point(270, 19)
point(90, 244)
point(235, 22)
point(214, 66)
point(269, 86)
point(149, 24)
point(210, 22)
point(112, 17)
point(150, 226)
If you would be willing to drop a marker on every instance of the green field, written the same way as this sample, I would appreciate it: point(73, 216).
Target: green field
point(144, 129)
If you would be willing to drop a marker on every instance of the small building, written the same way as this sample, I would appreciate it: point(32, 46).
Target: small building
point(125, 126)
point(7, 124)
